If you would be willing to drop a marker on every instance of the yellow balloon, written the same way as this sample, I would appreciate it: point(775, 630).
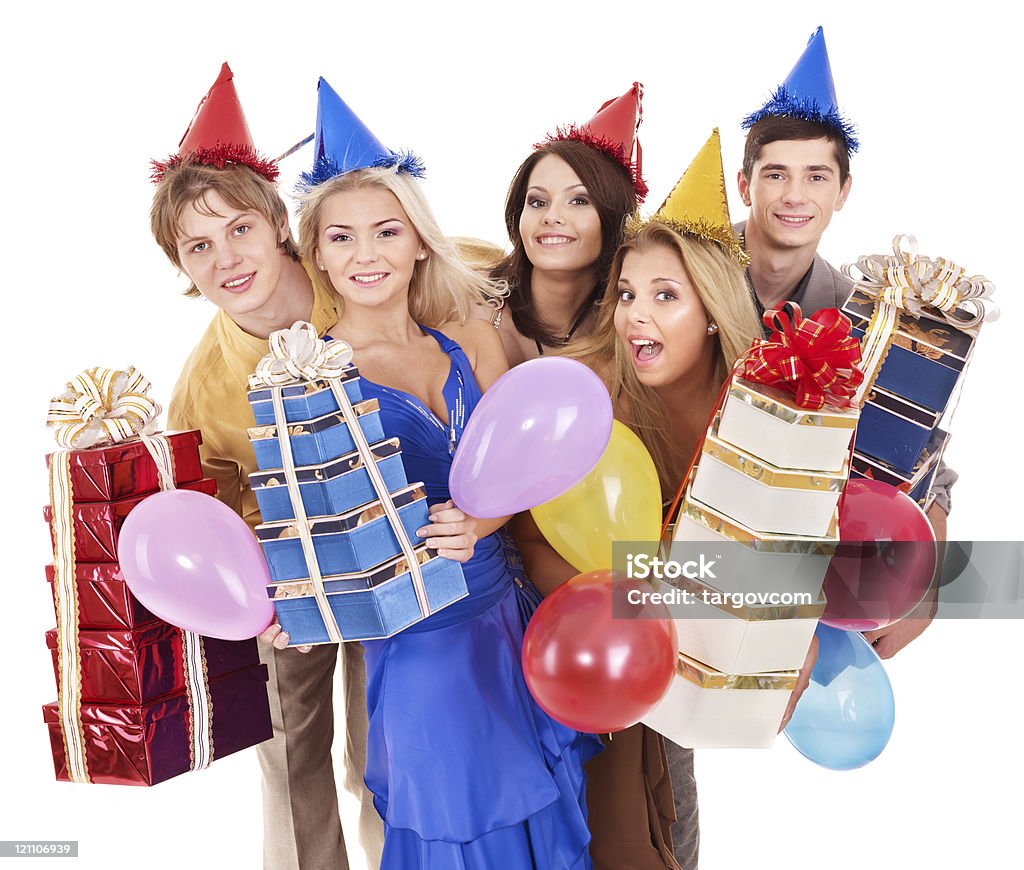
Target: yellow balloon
point(620, 500)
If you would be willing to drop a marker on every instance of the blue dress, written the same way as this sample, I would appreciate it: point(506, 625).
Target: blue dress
point(466, 770)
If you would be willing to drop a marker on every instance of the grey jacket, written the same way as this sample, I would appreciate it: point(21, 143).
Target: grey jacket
point(826, 288)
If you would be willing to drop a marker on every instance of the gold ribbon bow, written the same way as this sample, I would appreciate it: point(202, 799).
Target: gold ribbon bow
point(102, 406)
point(923, 286)
point(297, 354)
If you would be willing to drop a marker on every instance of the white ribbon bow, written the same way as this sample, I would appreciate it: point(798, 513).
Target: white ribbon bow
point(297, 354)
point(925, 287)
point(102, 406)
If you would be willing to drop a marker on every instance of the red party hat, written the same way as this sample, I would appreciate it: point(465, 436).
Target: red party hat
point(218, 134)
point(613, 132)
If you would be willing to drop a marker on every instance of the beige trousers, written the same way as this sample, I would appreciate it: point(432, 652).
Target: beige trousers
point(301, 824)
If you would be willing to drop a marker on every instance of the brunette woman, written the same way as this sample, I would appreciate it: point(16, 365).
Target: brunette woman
point(675, 314)
point(565, 213)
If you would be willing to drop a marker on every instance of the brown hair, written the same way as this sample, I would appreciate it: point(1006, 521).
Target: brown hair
point(188, 183)
point(443, 287)
point(721, 285)
point(775, 128)
point(611, 187)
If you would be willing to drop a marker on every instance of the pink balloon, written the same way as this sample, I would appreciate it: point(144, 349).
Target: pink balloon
point(536, 433)
point(196, 564)
point(885, 561)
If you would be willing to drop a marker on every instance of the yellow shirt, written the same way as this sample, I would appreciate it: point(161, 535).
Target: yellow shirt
point(211, 396)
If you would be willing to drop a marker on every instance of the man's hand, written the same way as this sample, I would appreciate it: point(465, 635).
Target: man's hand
point(273, 635)
point(890, 640)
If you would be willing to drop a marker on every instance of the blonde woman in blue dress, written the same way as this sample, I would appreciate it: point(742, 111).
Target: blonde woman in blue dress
point(466, 770)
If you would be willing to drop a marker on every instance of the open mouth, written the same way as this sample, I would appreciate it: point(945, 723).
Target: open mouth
point(645, 350)
point(240, 283)
point(369, 279)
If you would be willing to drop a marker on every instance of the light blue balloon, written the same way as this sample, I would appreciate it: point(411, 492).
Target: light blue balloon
point(845, 717)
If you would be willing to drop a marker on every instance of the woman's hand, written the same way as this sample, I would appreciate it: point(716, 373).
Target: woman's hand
point(802, 681)
point(273, 635)
point(451, 532)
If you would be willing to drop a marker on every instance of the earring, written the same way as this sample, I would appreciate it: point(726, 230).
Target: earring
point(421, 255)
point(712, 328)
point(323, 268)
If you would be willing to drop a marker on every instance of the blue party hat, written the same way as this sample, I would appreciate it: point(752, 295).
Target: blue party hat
point(808, 93)
point(343, 143)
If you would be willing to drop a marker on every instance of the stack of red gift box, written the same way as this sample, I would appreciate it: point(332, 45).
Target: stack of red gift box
point(139, 701)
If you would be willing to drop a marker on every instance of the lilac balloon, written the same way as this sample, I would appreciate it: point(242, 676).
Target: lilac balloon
point(196, 564)
point(536, 433)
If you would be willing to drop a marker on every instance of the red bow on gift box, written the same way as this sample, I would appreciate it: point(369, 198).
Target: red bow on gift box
point(814, 358)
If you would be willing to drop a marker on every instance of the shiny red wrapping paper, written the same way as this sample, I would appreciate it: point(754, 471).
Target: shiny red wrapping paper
point(144, 745)
point(98, 523)
point(104, 600)
point(135, 666)
point(125, 469)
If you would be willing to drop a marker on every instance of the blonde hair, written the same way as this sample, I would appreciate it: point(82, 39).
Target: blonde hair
point(189, 183)
point(479, 254)
point(720, 284)
point(442, 288)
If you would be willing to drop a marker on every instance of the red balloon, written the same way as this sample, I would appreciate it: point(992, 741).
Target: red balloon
point(595, 661)
point(885, 561)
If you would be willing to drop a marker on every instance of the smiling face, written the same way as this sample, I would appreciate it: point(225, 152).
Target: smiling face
point(233, 256)
point(792, 191)
point(559, 226)
point(368, 246)
point(660, 319)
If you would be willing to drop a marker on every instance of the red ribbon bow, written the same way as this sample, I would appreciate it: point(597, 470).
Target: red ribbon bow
point(813, 358)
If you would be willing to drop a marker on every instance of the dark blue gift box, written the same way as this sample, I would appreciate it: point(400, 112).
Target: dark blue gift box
point(317, 441)
point(894, 430)
point(345, 544)
point(926, 357)
point(371, 605)
point(306, 401)
point(916, 483)
point(331, 488)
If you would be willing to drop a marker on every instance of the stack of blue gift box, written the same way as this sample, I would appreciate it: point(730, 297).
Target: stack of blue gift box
point(899, 440)
point(362, 564)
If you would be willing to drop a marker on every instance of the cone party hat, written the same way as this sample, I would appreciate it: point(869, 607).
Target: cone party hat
point(343, 143)
point(613, 132)
point(808, 93)
point(698, 205)
point(218, 134)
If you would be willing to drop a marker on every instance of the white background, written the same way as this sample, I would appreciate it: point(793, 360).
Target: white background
point(93, 91)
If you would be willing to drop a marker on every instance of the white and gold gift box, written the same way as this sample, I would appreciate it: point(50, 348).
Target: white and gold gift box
point(741, 634)
point(762, 496)
point(748, 561)
point(708, 709)
point(769, 424)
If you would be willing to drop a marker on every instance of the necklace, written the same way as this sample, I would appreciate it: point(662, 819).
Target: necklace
point(572, 329)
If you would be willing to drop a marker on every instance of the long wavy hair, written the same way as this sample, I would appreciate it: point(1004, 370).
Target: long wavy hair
point(722, 288)
point(443, 286)
point(611, 188)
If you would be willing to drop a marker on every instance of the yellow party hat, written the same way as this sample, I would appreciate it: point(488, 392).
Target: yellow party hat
point(697, 204)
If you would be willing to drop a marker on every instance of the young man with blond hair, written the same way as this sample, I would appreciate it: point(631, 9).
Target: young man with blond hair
point(218, 217)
